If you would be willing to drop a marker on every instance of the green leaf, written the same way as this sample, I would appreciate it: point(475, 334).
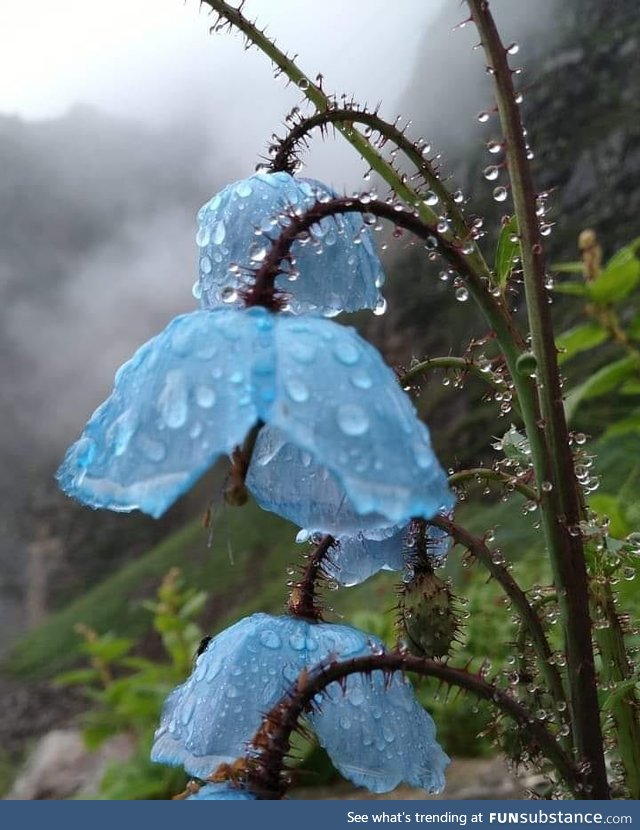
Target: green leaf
point(620, 276)
point(577, 289)
point(515, 446)
point(506, 251)
point(108, 647)
point(631, 387)
point(607, 505)
point(603, 381)
point(78, 677)
point(624, 426)
point(568, 267)
point(579, 339)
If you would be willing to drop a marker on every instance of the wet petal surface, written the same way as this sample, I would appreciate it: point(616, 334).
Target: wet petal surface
point(185, 398)
point(245, 670)
point(336, 268)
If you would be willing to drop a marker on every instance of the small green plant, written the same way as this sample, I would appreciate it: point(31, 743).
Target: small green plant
point(127, 691)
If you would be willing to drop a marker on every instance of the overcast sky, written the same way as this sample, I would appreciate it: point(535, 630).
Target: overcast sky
point(155, 60)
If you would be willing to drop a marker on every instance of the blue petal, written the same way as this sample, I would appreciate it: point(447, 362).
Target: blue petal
point(346, 276)
point(221, 792)
point(337, 400)
point(378, 735)
point(186, 397)
point(286, 480)
point(355, 558)
point(246, 669)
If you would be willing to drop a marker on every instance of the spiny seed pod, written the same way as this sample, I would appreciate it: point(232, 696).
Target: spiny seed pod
point(428, 616)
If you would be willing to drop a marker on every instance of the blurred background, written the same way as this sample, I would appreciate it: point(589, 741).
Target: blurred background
point(115, 126)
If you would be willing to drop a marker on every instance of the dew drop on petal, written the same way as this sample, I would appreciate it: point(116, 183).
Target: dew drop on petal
point(347, 352)
point(219, 233)
point(172, 401)
point(203, 236)
point(270, 639)
point(205, 397)
point(297, 390)
point(352, 419)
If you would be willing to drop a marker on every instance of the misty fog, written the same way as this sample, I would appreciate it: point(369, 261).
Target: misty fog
point(120, 131)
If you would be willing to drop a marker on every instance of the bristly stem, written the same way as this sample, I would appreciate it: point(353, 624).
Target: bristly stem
point(323, 103)
point(304, 593)
point(486, 475)
point(561, 507)
point(478, 548)
point(265, 773)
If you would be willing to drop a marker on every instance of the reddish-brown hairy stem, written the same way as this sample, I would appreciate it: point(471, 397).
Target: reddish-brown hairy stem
point(561, 506)
point(304, 593)
point(263, 291)
point(530, 619)
point(285, 156)
point(266, 773)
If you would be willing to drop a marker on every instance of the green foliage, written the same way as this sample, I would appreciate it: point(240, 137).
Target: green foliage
point(127, 691)
point(506, 251)
point(579, 339)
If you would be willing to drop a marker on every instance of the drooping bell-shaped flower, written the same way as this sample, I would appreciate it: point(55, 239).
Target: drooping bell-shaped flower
point(335, 266)
point(221, 792)
point(193, 393)
point(374, 729)
point(355, 558)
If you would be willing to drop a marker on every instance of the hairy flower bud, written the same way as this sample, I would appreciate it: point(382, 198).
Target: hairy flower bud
point(428, 616)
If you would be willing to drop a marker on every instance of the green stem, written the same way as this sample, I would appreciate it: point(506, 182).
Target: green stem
point(530, 619)
point(615, 670)
point(552, 456)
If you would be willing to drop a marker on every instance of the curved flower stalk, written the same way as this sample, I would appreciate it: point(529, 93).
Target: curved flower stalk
point(236, 229)
point(373, 728)
point(195, 391)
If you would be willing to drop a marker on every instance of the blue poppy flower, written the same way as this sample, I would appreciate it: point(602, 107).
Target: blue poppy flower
point(374, 729)
point(355, 558)
point(221, 792)
point(193, 393)
point(336, 267)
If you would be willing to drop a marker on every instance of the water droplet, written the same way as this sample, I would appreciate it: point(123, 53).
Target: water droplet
point(270, 639)
point(352, 419)
point(203, 237)
point(172, 401)
point(303, 84)
point(205, 265)
point(302, 536)
point(218, 233)
point(347, 353)
point(381, 307)
point(258, 252)
point(196, 290)
point(431, 198)
point(361, 379)
point(500, 194)
point(494, 146)
point(205, 396)
point(491, 172)
point(297, 640)
point(297, 390)
point(244, 189)
point(513, 49)
point(229, 294)
point(153, 449)
point(462, 294)
point(458, 197)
